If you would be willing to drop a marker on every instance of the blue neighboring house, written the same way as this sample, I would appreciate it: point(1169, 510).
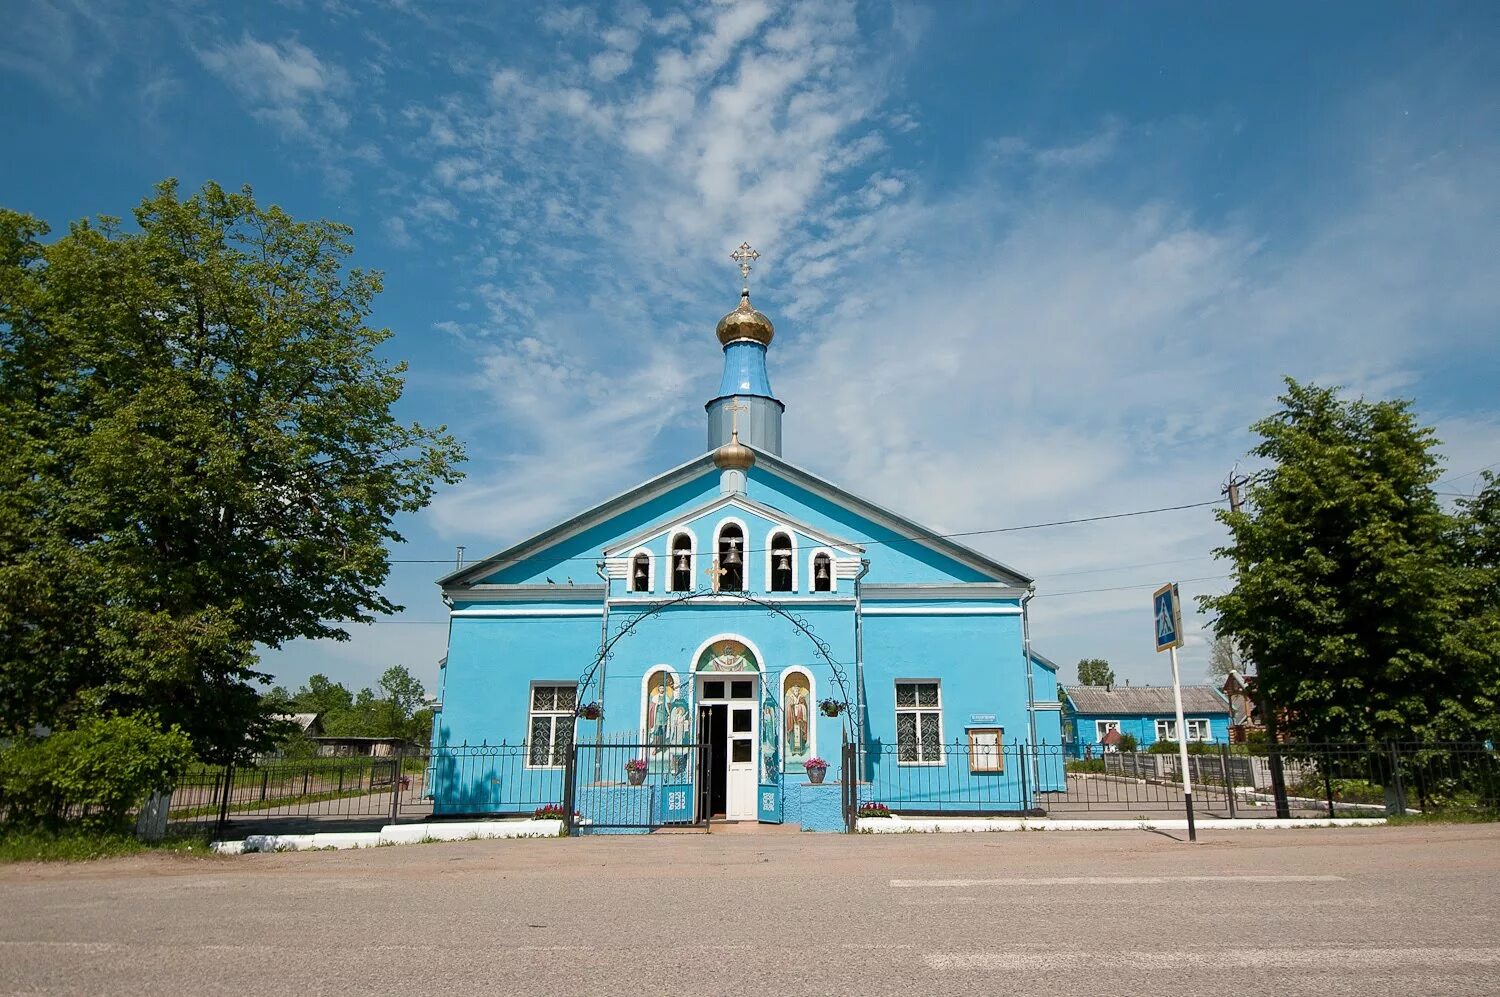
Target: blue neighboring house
point(919, 638)
point(1148, 713)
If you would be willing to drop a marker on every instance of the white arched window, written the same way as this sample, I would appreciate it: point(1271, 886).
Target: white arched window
point(781, 563)
point(683, 548)
point(642, 572)
point(729, 547)
point(820, 569)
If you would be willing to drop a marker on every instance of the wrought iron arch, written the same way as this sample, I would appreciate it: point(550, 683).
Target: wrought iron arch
point(652, 609)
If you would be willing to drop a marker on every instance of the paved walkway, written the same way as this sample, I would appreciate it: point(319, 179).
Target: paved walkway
point(1364, 911)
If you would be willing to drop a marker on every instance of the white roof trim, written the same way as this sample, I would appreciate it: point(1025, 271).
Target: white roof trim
point(683, 473)
point(777, 519)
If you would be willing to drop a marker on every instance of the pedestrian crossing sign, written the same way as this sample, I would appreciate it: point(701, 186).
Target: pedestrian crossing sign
point(1166, 605)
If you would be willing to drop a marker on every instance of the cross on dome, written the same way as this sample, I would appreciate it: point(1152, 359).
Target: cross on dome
point(744, 256)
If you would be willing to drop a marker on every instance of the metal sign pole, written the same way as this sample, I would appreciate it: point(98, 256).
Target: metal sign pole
point(1166, 606)
point(1187, 776)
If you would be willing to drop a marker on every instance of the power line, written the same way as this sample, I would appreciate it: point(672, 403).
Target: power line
point(1455, 477)
point(895, 540)
point(1124, 588)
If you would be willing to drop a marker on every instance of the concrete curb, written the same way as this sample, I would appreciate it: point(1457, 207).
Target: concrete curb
point(961, 825)
point(391, 834)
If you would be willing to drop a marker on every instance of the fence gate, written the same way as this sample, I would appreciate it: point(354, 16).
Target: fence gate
point(634, 786)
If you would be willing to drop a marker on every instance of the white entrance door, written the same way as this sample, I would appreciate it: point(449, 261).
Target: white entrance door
point(741, 761)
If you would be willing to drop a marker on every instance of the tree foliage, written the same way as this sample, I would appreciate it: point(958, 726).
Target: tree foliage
point(1095, 671)
point(1223, 658)
point(396, 707)
point(93, 774)
point(199, 456)
point(1349, 588)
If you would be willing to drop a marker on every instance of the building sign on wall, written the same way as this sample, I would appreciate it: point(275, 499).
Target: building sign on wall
point(985, 754)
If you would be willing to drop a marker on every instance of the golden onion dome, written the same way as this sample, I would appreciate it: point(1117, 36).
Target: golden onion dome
point(745, 323)
point(734, 455)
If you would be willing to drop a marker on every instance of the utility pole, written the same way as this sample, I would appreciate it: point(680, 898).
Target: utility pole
point(1267, 710)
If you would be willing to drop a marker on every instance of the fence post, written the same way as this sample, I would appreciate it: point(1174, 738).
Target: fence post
point(569, 800)
point(1396, 775)
point(1025, 782)
point(396, 786)
point(1228, 785)
point(224, 801)
point(1327, 783)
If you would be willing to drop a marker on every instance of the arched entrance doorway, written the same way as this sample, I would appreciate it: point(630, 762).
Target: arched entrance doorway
point(724, 710)
point(737, 727)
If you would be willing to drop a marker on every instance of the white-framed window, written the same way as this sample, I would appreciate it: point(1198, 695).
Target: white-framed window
point(820, 565)
point(550, 724)
point(781, 563)
point(729, 541)
point(642, 577)
point(1102, 727)
point(1197, 729)
point(919, 722)
point(683, 548)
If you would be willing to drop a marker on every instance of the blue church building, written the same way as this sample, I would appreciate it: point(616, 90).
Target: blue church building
point(680, 652)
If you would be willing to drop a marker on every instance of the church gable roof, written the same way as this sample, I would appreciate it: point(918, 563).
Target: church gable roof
point(687, 490)
point(891, 530)
point(714, 510)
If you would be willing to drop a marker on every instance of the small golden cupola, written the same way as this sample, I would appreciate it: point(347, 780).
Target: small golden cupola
point(734, 455)
point(745, 323)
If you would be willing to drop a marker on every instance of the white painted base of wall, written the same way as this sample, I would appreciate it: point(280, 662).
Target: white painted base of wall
point(940, 825)
point(392, 834)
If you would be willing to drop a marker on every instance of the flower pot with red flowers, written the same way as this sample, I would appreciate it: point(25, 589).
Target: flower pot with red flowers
point(635, 771)
point(817, 768)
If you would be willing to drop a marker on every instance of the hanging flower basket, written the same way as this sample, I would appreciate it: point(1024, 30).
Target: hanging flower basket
point(635, 771)
point(874, 810)
point(591, 711)
point(817, 768)
point(830, 707)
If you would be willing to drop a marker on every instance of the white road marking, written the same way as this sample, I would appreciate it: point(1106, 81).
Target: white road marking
point(1108, 881)
point(1341, 959)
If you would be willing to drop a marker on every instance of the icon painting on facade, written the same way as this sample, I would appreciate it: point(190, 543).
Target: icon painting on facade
point(727, 656)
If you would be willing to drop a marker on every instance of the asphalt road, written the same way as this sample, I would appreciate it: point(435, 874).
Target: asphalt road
point(1356, 911)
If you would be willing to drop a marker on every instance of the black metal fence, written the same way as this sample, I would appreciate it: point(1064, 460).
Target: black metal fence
point(642, 786)
point(645, 786)
point(1289, 780)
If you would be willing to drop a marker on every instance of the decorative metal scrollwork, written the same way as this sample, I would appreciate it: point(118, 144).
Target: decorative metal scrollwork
point(773, 609)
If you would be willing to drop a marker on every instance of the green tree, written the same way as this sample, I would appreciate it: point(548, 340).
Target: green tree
point(1223, 658)
point(323, 696)
point(1095, 671)
point(1474, 640)
point(1344, 586)
point(199, 455)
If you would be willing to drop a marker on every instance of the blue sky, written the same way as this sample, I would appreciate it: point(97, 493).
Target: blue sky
point(1026, 262)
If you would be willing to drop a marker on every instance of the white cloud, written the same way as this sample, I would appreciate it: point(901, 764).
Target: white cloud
point(1060, 332)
